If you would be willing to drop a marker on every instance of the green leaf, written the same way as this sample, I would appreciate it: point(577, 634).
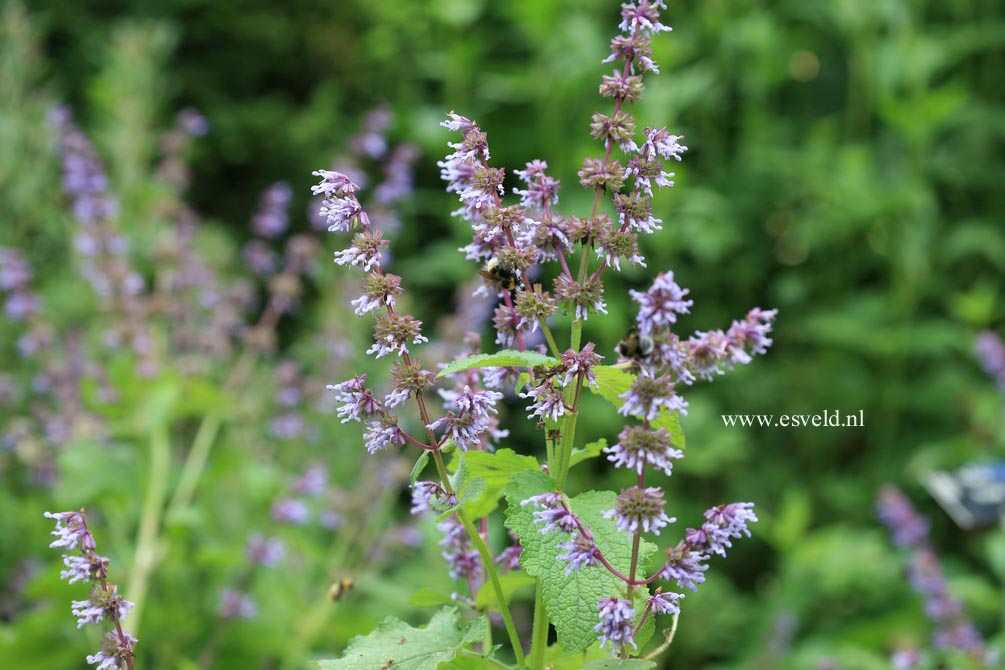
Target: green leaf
point(495, 469)
point(619, 664)
point(467, 487)
point(511, 583)
point(395, 644)
point(505, 358)
point(420, 465)
point(612, 382)
point(571, 600)
point(429, 597)
point(591, 450)
point(556, 659)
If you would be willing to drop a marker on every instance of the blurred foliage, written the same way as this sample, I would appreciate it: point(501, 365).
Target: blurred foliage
point(845, 166)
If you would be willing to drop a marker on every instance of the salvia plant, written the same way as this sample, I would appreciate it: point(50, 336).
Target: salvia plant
point(596, 576)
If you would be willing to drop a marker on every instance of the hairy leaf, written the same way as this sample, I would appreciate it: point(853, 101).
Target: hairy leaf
point(395, 644)
point(494, 469)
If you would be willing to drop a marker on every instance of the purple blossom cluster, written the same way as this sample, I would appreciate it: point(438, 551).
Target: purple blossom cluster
point(102, 251)
point(104, 603)
point(909, 530)
point(397, 182)
point(56, 412)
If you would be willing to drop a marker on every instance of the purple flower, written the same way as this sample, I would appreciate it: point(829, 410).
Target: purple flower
point(549, 403)
point(100, 605)
point(649, 396)
point(723, 523)
point(357, 400)
point(382, 433)
point(271, 219)
point(469, 415)
point(235, 604)
point(665, 603)
point(750, 335)
point(898, 514)
point(580, 363)
point(313, 482)
point(509, 558)
point(265, 551)
point(83, 568)
point(642, 16)
point(541, 191)
point(659, 141)
point(291, 510)
point(684, 565)
point(430, 496)
point(114, 652)
point(340, 207)
point(365, 250)
point(638, 447)
point(616, 620)
point(640, 508)
point(71, 531)
point(660, 305)
point(580, 552)
point(393, 333)
point(462, 560)
point(552, 514)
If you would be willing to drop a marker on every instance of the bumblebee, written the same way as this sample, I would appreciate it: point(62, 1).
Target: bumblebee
point(503, 276)
point(340, 588)
point(635, 346)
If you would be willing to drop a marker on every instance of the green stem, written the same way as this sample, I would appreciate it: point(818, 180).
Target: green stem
point(539, 637)
point(487, 562)
point(205, 437)
point(564, 455)
point(555, 351)
point(195, 462)
point(147, 544)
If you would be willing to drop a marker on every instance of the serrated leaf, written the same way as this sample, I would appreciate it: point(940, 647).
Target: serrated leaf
point(429, 597)
point(495, 469)
point(591, 450)
point(511, 583)
point(504, 358)
point(613, 382)
point(620, 664)
point(571, 600)
point(420, 465)
point(395, 644)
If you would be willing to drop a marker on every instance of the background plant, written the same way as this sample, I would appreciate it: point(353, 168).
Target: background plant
point(842, 169)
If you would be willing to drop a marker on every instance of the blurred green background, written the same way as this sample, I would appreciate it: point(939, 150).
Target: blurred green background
point(846, 166)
